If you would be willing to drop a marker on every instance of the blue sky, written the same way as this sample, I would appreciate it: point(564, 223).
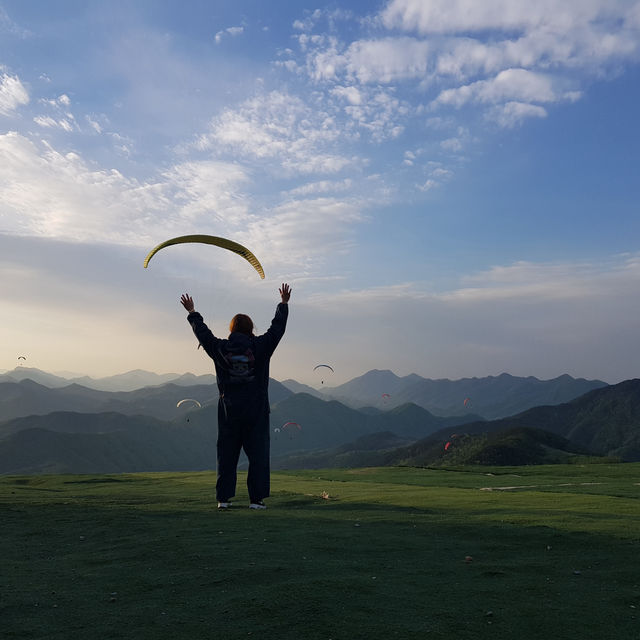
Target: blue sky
point(450, 187)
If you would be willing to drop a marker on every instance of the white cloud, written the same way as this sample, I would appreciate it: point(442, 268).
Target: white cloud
point(278, 126)
point(47, 193)
point(428, 184)
point(48, 122)
point(436, 175)
point(454, 16)
point(508, 85)
point(506, 58)
point(386, 60)
point(93, 124)
point(209, 190)
point(231, 31)
point(308, 22)
point(50, 194)
point(378, 112)
point(322, 186)
point(456, 142)
point(45, 121)
point(12, 94)
point(512, 114)
point(543, 35)
point(351, 94)
point(306, 233)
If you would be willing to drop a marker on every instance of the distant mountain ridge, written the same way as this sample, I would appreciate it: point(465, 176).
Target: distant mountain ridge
point(68, 428)
point(604, 422)
point(490, 397)
point(27, 397)
point(67, 442)
point(129, 381)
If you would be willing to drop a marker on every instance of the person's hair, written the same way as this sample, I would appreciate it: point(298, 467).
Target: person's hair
point(242, 324)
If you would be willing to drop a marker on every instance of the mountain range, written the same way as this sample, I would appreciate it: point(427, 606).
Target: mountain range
point(490, 397)
point(74, 428)
point(27, 397)
point(601, 423)
point(129, 381)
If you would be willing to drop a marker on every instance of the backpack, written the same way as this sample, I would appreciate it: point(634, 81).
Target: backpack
point(239, 364)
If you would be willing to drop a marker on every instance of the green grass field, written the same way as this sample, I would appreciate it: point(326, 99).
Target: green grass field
point(382, 555)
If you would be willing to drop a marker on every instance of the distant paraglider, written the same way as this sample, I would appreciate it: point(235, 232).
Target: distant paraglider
point(451, 442)
point(189, 400)
point(212, 240)
point(292, 428)
point(23, 358)
point(320, 366)
point(385, 397)
point(466, 401)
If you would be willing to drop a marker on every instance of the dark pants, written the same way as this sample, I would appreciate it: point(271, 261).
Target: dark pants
point(248, 432)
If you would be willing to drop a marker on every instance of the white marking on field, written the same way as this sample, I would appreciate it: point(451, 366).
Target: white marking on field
point(534, 486)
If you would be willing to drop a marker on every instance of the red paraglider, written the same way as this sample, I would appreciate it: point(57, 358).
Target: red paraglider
point(291, 428)
point(450, 443)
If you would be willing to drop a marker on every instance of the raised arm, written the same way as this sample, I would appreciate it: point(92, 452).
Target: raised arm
point(270, 339)
point(205, 337)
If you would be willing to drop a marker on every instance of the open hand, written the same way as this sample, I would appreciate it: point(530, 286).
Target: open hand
point(187, 302)
point(285, 292)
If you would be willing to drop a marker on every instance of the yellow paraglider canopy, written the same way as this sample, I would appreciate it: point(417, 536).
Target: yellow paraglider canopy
point(214, 240)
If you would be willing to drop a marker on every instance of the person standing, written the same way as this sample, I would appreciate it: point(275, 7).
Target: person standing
point(242, 375)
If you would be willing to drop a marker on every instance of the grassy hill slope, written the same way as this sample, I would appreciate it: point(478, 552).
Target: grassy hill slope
point(473, 554)
point(98, 443)
point(605, 421)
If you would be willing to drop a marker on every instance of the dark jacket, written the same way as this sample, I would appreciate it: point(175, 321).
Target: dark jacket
point(242, 363)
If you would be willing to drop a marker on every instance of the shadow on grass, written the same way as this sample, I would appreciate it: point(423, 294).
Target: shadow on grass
point(150, 558)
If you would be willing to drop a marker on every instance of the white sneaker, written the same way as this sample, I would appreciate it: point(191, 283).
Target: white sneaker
point(258, 504)
point(223, 505)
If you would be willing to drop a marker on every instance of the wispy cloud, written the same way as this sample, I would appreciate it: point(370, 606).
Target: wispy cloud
point(508, 86)
point(46, 193)
point(13, 93)
point(308, 233)
point(513, 113)
point(322, 186)
point(229, 31)
point(441, 46)
point(49, 194)
point(10, 26)
point(278, 126)
point(66, 124)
